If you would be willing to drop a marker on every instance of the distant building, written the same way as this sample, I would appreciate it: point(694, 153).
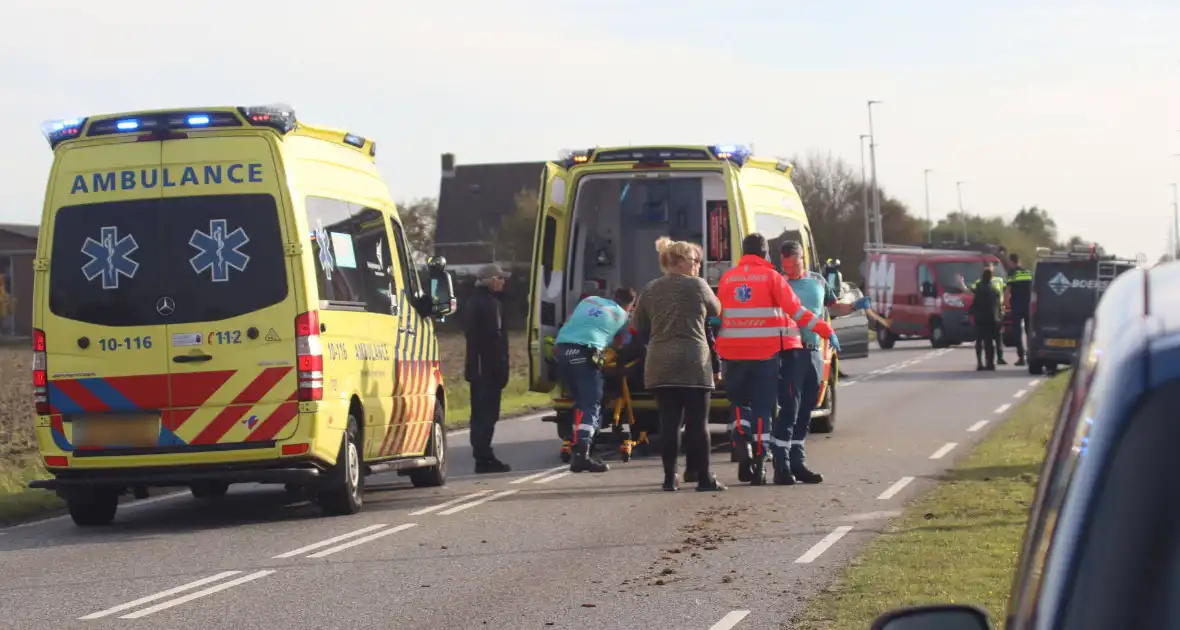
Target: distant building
point(18, 247)
point(472, 200)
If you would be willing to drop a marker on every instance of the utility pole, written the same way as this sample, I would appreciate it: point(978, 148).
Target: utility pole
point(864, 190)
point(929, 225)
point(873, 161)
point(962, 215)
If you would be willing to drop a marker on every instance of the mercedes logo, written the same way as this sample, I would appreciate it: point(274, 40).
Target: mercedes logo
point(165, 306)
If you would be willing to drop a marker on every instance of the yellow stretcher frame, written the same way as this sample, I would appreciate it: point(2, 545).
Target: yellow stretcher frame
point(621, 404)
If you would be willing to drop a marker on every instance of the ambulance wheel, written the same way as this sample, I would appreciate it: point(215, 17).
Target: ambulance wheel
point(1036, 368)
point(885, 338)
point(209, 489)
point(344, 491)
point(827, 424)
point(91, 508)
point(436, 475)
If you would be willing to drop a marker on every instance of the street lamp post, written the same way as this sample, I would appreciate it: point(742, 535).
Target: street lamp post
point(864, 190)
point(929, 225)
point(873, 161)
point(962, 215)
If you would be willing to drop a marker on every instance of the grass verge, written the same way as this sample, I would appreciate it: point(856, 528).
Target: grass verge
point(18, 503)
point(959, 543)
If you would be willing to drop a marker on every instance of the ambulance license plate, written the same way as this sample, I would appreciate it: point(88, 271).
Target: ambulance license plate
point(1061, 343)
point(115, 430)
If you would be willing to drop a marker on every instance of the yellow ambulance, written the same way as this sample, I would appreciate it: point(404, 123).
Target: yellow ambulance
point(225, 295)
point(602, 209)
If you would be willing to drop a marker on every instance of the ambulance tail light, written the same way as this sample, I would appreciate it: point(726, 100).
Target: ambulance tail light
point(40, 374)
point(278, 117)
point(309, 356)
point(56, 131)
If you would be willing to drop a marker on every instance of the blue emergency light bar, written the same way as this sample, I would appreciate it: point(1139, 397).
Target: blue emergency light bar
point(736, 153)
point(165, 125)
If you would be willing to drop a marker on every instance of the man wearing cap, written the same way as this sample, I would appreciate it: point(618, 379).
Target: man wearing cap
point(487, 362)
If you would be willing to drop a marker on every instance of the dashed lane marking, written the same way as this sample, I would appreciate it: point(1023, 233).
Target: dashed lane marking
point(977, 426)
point(331, 541)
point(540, 474)
point(731, 619)
point(898, 486)
point(199, 594)
point(946, 448)
point(1019, 393)
point(360, 541)
point(1002, 408)
point(820, 547)
point(481, 501)
point(435, 508)
point(552, 477)
point(161, 595)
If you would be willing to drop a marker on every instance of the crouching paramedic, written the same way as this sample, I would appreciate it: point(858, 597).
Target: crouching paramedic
point(755, 300)
point(595, 324)
point(802, 364)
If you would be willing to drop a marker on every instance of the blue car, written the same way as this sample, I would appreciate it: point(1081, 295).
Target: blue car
point(1102, 546)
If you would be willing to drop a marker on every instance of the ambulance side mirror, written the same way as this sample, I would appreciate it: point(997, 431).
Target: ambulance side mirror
point(442, 288)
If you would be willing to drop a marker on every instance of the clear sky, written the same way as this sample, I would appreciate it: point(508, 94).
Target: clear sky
point(1070, 105)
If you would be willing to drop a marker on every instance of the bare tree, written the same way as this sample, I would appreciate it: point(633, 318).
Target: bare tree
point(419, 219)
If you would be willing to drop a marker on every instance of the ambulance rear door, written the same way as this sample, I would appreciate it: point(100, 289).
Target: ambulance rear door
point(547, 294)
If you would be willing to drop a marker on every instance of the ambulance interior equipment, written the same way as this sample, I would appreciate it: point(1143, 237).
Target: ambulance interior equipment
point(617, 218)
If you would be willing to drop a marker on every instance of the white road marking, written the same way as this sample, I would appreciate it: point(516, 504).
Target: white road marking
point(823, 545)
point(1034, 382)
point(199, 594)
point(1002, 408)
point(540, 474)
point(459, 432)
point(1019, 393)
point(946, 448)
point(435, 508)
point(471, 504)
point(161, 595)
point(360, 541)
point(730, 620)
point(977, 426)
point(898, 486)
point(331, 541)
point(557, 476)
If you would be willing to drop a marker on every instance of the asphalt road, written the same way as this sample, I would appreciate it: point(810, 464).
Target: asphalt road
point(534, 548)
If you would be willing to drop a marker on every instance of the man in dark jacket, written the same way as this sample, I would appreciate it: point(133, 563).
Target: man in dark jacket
point(487, 362)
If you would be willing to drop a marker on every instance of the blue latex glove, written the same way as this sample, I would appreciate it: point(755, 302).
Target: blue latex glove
point(863, 303)
point(835, 341)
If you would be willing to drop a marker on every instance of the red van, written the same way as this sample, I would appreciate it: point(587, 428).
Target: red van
point(923, 291)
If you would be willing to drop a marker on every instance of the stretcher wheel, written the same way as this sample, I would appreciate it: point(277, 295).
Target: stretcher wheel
point(625, 456)
point(565, 457)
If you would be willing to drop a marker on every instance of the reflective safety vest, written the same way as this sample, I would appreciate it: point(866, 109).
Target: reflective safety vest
point(757, 306)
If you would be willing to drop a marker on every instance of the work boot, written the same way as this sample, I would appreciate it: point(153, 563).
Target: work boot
point(582, 461)
point(745, 462)
point(1000, 360)
point(491, 466)
point(782, 470)
point(799, 468)
point(671, 483)
point(1020, 361)
point(691, 476)
point(710, 484)
point(758, 471)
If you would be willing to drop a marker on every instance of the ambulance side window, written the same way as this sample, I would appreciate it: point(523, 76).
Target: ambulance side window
point(407, 279)
point(371, 244)
point(925, 281)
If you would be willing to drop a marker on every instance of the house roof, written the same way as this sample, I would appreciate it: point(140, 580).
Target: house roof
point(473, 198)
point(27, 231)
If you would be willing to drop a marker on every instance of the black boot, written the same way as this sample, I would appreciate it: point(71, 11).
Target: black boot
point(583, 462)
point(690, 476)
point(671, 483)
point(745, 461)
point(1000, 360)
point(782, 470)
point(491, 466)
point(799, 468)
point(710, 484)
point(1020, 359)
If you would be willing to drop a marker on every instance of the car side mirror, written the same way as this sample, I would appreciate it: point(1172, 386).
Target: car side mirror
point(937, 617)
point(442, 288)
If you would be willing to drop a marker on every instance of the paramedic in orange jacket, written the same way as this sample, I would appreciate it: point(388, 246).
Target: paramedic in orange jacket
point(757, 309)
